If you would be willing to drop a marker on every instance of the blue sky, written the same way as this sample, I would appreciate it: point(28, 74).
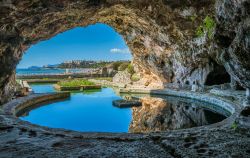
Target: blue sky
point(95, 42)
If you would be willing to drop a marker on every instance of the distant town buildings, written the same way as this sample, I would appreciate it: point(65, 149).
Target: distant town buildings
point(86, 63)
point(89, 61)
point(82, 64)
point(79, 62)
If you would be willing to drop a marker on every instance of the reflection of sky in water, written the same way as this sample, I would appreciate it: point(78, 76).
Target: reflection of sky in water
point(92, 110)
point(42, 88)
point(83, 112)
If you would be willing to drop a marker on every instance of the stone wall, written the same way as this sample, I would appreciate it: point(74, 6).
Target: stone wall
point(171, 40)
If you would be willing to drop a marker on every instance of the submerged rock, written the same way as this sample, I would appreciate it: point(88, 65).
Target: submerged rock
point(126, 103)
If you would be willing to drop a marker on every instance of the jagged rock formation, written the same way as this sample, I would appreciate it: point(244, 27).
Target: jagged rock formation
point(171, 40)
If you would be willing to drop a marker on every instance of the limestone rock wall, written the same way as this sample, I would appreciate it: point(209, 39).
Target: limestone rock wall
point(171, 40)
point(233, 37)
point(122, 77)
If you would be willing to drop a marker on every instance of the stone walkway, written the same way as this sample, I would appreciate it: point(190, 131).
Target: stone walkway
point(22, 139)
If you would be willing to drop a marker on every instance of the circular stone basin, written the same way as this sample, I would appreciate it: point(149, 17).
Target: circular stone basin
point(92, 111)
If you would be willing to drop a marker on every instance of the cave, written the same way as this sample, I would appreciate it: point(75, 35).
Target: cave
point(25, 23)
point(187, 82)
point(218, 76)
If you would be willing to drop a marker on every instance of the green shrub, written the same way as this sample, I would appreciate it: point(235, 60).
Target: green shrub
point(123, 66)
point(135, 77)
point(75, 83)
point(207, 26)
point(130, 69)
point(116, 65)
point(199, 31)
point(234, 126)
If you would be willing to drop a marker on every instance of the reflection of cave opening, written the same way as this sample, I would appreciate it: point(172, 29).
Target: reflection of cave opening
point(218, 76)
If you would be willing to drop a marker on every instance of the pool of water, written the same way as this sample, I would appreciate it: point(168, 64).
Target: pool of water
point(42, 88)
point(92, 111)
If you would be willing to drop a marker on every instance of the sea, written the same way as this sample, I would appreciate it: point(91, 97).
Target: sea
point(46, 71)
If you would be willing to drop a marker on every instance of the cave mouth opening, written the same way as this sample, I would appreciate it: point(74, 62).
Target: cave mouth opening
point(218, 76)
point(95, 43)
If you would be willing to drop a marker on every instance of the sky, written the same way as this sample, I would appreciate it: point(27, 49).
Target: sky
point(95, 42)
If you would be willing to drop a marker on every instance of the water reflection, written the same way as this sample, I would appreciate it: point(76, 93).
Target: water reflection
point(87, 111)
point(92, 111)
point(43, 88)
point(162, 114)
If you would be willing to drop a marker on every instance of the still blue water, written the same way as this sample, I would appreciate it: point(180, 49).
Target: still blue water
point(88, 111)
point(92, 111)
point(48, 71)
point(42, 88)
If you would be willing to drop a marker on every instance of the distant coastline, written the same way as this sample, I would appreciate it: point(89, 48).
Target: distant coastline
point(76, 64)
point(71, 67)
point(52, 71)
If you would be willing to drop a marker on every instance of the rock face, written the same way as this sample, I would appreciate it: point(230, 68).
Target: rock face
point(172, 41)
point(233, 36)
point(122, 78)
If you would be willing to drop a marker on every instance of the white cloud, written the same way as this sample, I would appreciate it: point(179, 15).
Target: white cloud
point(117, 50)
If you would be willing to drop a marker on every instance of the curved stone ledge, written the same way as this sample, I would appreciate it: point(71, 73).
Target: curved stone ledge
point(214, 140)
point(233, 107)
point(226, 104)
point(16, 106)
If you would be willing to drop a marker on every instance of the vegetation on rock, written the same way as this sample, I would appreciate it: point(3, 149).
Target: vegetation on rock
point(207, 27)
point(118, 65)
point(75, 83)
point(135, 77)
point(123, 66)
point(130, 69)
point(234, 126)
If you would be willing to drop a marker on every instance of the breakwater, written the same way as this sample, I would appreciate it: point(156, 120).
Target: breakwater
point(62, 76)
